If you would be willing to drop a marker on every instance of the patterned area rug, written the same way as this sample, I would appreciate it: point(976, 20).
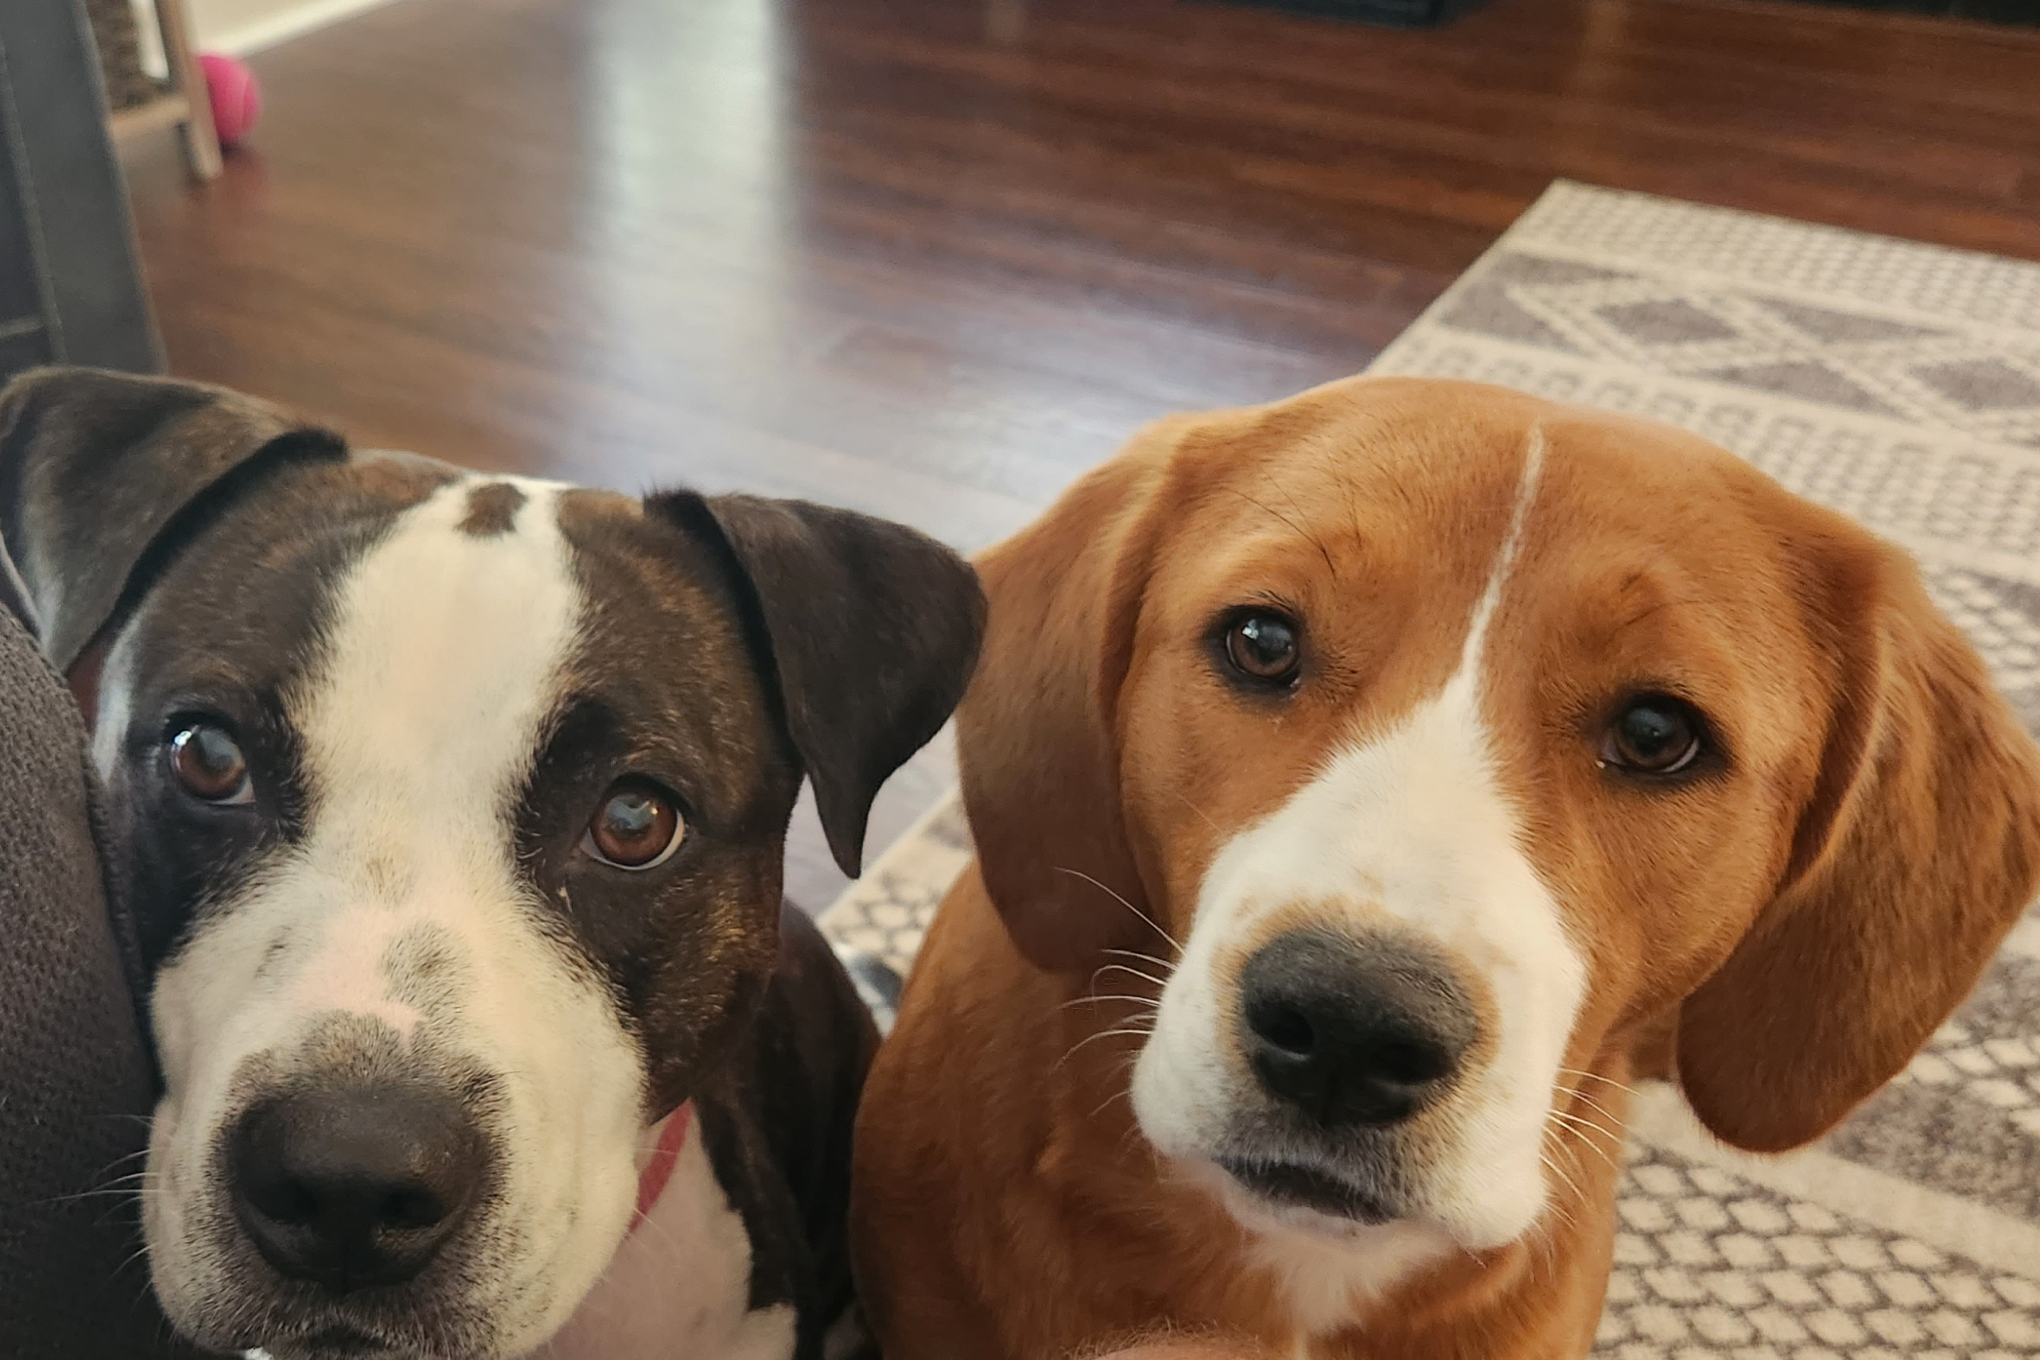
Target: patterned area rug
point(1901, 384)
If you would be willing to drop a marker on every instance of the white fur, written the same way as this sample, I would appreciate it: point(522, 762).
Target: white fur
point(1409, 828)
point(680, 1285)
point(116, 704)
point(442, 663)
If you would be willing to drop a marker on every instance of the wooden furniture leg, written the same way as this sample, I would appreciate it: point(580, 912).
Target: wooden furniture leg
point(185, 103)
point(201, 142)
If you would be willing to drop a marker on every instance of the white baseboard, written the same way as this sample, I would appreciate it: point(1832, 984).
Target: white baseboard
point(287, 23)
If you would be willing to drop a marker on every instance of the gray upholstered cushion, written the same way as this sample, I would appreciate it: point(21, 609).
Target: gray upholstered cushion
point(75, 1080)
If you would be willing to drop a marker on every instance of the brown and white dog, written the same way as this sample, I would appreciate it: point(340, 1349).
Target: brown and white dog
point(1364, 787)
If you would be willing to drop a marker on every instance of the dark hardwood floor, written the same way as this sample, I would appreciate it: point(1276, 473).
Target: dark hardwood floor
point(932, 258)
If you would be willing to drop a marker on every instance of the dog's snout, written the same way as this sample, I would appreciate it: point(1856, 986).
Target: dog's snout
point(354, 1188)
point(1352, 1032)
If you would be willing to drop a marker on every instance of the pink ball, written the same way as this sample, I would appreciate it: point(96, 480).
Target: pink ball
point(235, 94)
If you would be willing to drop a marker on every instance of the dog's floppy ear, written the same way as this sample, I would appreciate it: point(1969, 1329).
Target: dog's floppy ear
point(1037, 734)
point(1918, 851)
point(94, 466)
point(871, 628)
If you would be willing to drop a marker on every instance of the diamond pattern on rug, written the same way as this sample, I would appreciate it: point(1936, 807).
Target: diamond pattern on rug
point(1832, 327)
point(1859, 360)
point(1671, 322)
point(1711, 1267)
point(1983, 385)
point(1806, 379)
point(1491, 310)
point(1846, 270)
point(1520, 268)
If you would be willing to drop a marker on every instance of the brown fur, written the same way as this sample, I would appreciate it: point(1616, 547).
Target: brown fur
point(1795, 922)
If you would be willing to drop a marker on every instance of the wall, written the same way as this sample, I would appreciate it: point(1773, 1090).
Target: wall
point(242, 26)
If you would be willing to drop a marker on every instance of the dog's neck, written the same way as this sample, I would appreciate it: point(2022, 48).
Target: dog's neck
point(658, 1154)
point(677, 1285)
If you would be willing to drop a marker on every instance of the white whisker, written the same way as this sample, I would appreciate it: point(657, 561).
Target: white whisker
point(1596, 1076)
point(1200, 812)
point(1122, 1031)
point(1583, 1097)
point(1589, 1143)
point(1125, 968)
point(1152, 924)
point(1580, 1121)
point(1147, 1001)
point(1139, 957)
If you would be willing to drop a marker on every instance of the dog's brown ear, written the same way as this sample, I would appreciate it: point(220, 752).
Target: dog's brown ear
point(871, 629)
point(1037, 733)
point(1918, 851)
point(95, 466)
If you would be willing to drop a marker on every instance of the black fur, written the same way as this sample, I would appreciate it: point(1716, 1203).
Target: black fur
point(95, 467)
point(838, 595)
point(778, 1118)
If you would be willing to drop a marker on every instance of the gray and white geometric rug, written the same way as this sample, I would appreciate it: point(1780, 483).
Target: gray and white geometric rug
point(1896, 382)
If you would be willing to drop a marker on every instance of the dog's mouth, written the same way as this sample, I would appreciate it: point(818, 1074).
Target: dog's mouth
point(1292, 1185)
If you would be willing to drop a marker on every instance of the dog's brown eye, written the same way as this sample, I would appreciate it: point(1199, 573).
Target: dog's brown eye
point(635, 828)
point(209, 764)
point(1655, 734)
point(1263, 647)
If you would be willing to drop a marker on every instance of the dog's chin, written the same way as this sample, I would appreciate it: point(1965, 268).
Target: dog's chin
point(337, 1342)
point(337, 1338)
point(1278, 1181)
point(1314, 1200)
point(1272, 1180)
point(1275, 1197)
point(1304, 1194)
point(284, 1322)
point(360, 1327)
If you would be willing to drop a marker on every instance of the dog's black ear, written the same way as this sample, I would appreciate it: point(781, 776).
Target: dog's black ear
point(94, 466)
point(872, 628)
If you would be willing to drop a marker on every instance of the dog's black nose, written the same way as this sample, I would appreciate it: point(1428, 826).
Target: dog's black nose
point(354, 1188)
point(1352, 1031)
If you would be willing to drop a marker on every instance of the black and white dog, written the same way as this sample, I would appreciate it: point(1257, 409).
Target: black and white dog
point(450, 811)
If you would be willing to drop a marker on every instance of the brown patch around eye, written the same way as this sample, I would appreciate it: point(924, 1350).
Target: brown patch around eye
point(491, 510)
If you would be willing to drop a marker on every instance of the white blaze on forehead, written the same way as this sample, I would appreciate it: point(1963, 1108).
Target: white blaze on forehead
point(442, 661)
point(441, 665)
point(1408, 830)
point(1505, 561)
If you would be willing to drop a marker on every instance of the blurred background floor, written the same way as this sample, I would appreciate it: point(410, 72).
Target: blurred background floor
point(932, 259)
